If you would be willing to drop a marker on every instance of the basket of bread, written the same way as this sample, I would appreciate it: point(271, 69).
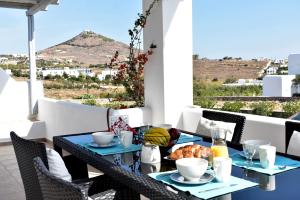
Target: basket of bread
point(191, 151)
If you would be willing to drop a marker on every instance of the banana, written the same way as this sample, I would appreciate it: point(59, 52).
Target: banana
point(157, 136)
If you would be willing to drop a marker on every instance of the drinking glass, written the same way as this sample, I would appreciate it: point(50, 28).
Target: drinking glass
point(249, 151)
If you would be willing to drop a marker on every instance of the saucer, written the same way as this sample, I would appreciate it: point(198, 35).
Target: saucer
point(206, 178)
point(95, 145)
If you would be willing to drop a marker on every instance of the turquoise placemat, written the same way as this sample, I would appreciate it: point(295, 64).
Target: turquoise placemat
point(239, 161)
point(205, 191)
point(113, 150)
point(84, 140)
point(80, 139)
point(184, 138)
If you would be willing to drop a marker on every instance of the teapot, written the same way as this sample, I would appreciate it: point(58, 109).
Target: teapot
point(150, 154)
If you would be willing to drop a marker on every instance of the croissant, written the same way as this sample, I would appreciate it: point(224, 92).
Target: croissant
point(190, 151)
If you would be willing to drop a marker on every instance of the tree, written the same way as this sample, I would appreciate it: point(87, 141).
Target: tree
point(195, 57)
point(131, 72)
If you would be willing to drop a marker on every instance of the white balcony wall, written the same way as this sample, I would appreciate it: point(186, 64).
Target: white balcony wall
point(256, 127)
point(64, 118)
point(14, 104)
point(14, 109)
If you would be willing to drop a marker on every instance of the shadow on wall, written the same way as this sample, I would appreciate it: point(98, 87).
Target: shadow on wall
point(4, 77)
point(25, 129)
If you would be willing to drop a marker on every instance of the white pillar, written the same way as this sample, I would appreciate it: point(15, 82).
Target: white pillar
point(169, 72)
point(32, 67)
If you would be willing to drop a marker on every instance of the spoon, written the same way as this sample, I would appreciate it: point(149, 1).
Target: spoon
point(281, 167)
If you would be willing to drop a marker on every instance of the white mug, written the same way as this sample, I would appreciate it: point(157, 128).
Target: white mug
point(126, 138)
point(222, 167)
point(267, 155)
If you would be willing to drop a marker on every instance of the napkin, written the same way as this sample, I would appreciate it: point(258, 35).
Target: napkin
point(240, 161)
point(188, 138)
point(208, 190)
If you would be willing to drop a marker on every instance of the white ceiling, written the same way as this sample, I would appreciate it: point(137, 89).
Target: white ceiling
point(27, 4)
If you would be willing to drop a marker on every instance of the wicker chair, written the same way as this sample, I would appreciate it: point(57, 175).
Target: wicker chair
point(26, 150)
point(290, 127)
point(227, 117)
point(53, 188)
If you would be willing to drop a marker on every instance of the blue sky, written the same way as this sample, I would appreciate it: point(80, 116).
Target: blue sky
point(248, 28)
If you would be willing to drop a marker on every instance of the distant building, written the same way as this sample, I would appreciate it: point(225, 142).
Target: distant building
point(294, 64)
point(244, 82)
point(106, 72)
point(272, 70)
point(69, 71)
point(3, 60)
point(278, 85)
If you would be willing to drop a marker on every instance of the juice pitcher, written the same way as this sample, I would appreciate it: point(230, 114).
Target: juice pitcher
point(219, 146)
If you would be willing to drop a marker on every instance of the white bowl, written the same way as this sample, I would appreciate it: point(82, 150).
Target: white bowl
point(191, 168)
point(256, 143)
point(103, 138)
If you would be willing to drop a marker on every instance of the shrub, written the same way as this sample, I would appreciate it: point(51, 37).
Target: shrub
point(205, 102)
point(230, 80)
point(91, 102)
point(114, 105)
point(85, 96)
point(262, 108)
point(291, 108)
point(233, 106)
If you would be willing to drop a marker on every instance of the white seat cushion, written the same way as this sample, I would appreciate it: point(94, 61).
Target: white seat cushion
point(294, 145)
point(204, 127)
point(57, 166)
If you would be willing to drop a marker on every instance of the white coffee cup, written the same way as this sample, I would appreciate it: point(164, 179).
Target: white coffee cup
point(222, 167)
point(126, 138)
point(267, 156)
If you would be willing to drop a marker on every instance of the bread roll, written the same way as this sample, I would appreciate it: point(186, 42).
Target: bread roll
point(190, 151)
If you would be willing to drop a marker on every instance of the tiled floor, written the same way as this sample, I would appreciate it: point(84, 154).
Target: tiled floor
point(11, 186)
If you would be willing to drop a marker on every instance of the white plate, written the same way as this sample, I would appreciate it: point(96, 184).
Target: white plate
point(243, 155)
point(206, 178)
point(95, 145)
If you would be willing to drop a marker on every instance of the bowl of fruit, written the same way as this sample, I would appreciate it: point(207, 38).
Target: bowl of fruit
point(164, 138)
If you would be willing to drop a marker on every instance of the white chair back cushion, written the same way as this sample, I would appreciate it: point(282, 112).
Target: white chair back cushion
point(294, 145)
point(204, 127)
point(57, 166)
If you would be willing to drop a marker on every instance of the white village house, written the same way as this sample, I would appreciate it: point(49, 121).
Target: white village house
point(66, 70)
point(282, 85)
point(107, 72)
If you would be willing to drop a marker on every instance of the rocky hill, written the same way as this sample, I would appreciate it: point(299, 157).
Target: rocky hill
point(206, 69)
point(86, 48)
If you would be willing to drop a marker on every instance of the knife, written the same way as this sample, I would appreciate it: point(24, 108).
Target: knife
point(217, 188)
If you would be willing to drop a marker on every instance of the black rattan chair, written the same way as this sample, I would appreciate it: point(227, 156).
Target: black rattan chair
point(25, 151)
point(228, 117)
point(53, 188)
point(290, 127)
